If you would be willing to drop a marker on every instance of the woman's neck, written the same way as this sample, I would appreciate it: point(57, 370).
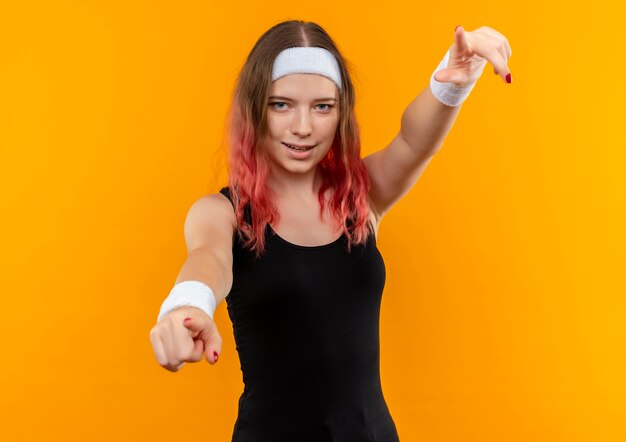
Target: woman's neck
point(295, 187)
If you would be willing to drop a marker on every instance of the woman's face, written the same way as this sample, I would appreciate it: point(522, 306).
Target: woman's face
point(303, 110)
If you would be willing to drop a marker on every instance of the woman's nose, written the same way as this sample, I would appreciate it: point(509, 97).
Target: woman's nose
point(302, 123)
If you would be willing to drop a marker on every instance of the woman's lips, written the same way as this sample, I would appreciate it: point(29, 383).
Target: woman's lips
point(299, 146)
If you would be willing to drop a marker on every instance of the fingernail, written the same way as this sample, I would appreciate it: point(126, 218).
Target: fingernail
point(456, 28)
point(508, 78)
point(215, 355)
point(187, 319)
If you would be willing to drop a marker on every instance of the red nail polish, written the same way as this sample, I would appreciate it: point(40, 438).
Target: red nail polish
point(508, 78)
point(215, 355)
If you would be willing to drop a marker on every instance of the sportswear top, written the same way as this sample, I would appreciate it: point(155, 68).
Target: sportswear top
point(306, 327)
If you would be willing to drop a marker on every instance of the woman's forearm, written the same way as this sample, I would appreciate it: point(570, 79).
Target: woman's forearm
point(426, 122)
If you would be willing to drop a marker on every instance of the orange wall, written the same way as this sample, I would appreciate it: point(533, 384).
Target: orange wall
point(502, 317)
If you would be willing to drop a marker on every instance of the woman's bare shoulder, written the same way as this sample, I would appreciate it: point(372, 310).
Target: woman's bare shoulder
point(375, 218)
point(209, 216)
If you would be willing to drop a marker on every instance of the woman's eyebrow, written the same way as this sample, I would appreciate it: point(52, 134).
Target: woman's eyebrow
point(290, 99)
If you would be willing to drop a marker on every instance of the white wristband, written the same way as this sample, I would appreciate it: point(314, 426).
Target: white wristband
point(447, 92)
point(191, 293)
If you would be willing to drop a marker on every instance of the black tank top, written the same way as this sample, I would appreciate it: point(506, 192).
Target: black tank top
point(306, 327)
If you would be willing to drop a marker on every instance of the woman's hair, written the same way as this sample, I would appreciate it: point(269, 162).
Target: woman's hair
point(342, 169)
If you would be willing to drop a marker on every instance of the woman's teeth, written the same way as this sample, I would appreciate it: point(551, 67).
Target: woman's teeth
point(298, 148)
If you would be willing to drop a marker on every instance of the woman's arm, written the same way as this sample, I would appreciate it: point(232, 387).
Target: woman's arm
point(395, 169)
point(427, 120)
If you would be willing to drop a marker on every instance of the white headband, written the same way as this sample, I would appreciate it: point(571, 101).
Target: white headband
point(307, 60)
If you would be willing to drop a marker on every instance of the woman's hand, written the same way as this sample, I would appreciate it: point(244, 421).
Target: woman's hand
point(470, 52)
point(182, 336)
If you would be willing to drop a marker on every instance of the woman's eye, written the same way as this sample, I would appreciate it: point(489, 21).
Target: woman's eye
point(274, 104)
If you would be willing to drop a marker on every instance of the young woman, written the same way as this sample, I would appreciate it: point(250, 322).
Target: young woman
point(290, 243)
